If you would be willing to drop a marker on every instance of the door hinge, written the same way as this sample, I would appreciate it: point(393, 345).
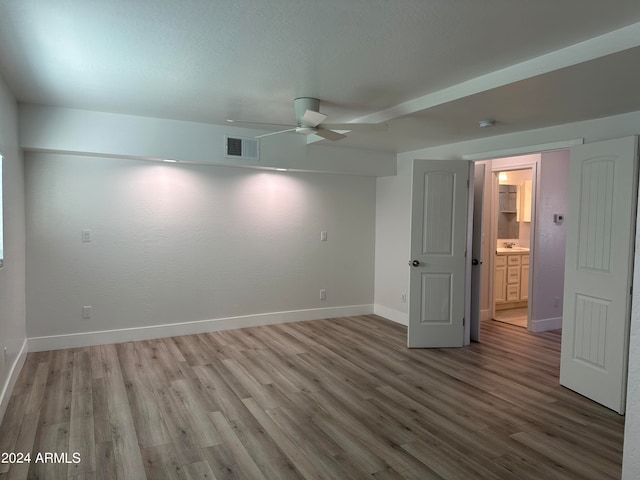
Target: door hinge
point(464, 321)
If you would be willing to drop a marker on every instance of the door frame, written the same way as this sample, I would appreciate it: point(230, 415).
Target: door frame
point(511, 153)
point(516, 165)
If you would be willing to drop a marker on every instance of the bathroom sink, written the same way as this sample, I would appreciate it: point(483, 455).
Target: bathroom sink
point(512, 250)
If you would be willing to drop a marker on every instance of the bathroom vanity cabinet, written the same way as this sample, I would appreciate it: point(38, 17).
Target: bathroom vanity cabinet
point(511, 279)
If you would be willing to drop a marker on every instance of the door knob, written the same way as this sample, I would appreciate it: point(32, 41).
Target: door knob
point(414, 263)
point(475, 261)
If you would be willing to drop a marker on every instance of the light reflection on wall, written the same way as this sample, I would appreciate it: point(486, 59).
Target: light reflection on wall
point(166, 193)
point(272, 202)
point(176, 201)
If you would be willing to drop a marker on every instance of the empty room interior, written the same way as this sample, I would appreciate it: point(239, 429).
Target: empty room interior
point(319, 240)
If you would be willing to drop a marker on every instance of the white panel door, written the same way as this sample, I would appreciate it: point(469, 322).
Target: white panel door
point(438, 266)
point(598, 270)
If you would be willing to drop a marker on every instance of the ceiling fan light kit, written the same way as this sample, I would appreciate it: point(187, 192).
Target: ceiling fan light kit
point(309, 122)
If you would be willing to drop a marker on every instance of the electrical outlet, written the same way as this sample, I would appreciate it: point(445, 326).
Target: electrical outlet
point(323, 236)
point(86, 236)
point(87, 311)
point(556, 301)
point(403, 297)
point(323, 294)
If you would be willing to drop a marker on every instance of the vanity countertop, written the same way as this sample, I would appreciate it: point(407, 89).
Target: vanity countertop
point(513, 250)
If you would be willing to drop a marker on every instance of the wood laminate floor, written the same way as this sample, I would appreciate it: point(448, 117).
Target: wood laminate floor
point(333, 399)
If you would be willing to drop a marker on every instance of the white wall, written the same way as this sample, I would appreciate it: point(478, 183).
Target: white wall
point(12, 276)
point(393, 205)
point(185, 243)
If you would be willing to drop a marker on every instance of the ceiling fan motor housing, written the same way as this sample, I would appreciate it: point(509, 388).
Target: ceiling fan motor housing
point(301, 105)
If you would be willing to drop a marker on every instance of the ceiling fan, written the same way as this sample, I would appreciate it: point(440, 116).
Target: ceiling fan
point(310, 121)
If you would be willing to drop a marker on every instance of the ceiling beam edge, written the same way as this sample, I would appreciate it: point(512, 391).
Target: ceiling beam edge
point(607, 44)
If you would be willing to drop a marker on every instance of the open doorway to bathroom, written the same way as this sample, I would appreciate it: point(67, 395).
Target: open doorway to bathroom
point(513, 245)
point(525, 278)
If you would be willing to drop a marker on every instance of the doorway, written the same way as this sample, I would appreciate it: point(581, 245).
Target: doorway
point(540, 285)
point(512, 238)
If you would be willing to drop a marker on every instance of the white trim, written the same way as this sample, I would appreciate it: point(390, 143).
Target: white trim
point(391, 314)
point(86, 339)
point(546, 324)
point(7, 388)
point(485, 314)
point(527, 150)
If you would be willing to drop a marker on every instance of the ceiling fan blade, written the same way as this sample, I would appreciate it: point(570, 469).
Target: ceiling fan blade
point(276, 133)
point(260, 123)
point(329, 134)
point(313, 119)
point(357, 127)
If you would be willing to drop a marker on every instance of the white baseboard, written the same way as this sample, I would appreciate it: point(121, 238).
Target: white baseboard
point(9, 383)
point(546, 324)
point(86, 339)
point(391, 314)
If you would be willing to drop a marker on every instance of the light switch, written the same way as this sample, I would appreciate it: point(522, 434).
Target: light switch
point(86, 236)
point(323, 236)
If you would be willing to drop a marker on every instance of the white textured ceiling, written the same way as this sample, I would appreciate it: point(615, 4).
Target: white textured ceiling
point(423, 66)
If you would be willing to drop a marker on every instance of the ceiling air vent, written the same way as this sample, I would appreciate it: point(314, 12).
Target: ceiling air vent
point(240, 147)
